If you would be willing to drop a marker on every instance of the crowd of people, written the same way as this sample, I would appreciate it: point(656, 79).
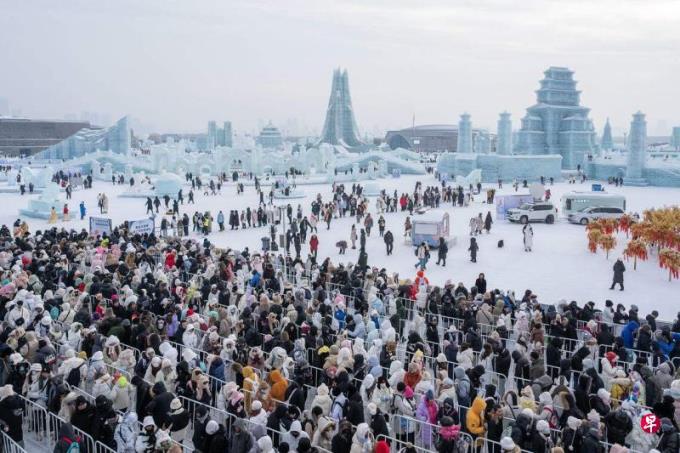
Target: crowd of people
point(153, 344)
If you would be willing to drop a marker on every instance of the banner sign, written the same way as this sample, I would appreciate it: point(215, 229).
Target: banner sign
point(100, 225)
point(144, 226)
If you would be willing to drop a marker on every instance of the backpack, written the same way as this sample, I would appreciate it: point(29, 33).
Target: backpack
point(343, 407)
point(73, 378)
point(393, 405)
point(73, 447)
point(552, 420)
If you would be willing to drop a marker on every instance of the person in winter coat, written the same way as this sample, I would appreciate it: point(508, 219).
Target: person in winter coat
point(67, 436)
point(474, 419)
point(104, 421)
point(277, 391)
point(389, 242)
point(423, 255)
point(362, 441)
point(322, 399)
point(670, 438)
point(216, 440)
point(159, 407)
point(241, 440)
point(179, 419)
point(146, 439)
point(541, 441)
point(488, 221)
point(83, 416)
point(11, 413)
point(323, 435)
point(125, 434)
point(528, 233)
point(427, 412)
point(448, 436)
point(442, 251)
point(628, 334)
point(591, 440)
point(619, 269)
point(473, 249)
point(293, 436)
point(404, 404)
point(342, 440)
point(619, 425)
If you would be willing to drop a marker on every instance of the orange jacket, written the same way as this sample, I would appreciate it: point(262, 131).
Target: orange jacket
point(474, 420)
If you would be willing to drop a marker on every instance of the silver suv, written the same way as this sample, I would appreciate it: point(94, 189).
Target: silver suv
point(533, 212)
point(594, 213)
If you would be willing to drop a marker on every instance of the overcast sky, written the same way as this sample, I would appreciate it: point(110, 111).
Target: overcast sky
point(177, 64)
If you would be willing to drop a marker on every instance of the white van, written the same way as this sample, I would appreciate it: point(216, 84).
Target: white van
point(574, 202)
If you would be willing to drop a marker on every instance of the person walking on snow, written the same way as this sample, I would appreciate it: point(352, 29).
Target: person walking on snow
point(423, 254)
point(528, 233)
point(473, 249)
point(389, 242)
point(488, 221)
point(442, 250)
point(473, 226)
point(619, 269)
point(82, 210)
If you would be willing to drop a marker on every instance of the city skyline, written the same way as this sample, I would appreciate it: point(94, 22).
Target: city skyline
point(435, 61)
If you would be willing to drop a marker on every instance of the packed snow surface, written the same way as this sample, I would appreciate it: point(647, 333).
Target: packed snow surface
point(560, 266)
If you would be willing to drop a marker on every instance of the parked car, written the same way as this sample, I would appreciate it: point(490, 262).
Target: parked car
point(594, 213)
point(533, 212)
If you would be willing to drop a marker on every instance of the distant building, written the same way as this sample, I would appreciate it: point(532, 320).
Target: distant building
point(218, 136)
point(212, 135)
point(434, 138)
point(340, 127)
point(270, 137)
point(4, 106)
point(675, 138)
point(26, 137)
point(227, 135)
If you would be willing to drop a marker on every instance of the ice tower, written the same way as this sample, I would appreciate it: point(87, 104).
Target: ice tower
point(464, 134)
point(504, 145)
point(340, 127)
point(636, 151)
point(557, 123)
point(607, 142)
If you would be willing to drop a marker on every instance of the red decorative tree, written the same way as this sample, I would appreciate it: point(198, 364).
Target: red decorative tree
point(593, 240)
point(636, 248)
point(606, 243)
point(670, 259)
point(625, 222)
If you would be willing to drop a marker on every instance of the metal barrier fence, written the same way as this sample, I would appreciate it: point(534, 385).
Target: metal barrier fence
point(86, 442)
point(9, 445)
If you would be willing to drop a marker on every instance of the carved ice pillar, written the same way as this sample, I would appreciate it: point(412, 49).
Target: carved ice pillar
point(504, 144)
point(465, 134)
point(636, 151)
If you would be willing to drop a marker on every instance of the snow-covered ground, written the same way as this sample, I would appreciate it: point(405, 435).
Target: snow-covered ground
point(560, 266)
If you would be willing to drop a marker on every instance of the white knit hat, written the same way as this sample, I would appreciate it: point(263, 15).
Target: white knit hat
point(372, 408)
point(211, 427)
point(148, 421)
point(5, 391)
point(507, 443)
point(543, 427)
